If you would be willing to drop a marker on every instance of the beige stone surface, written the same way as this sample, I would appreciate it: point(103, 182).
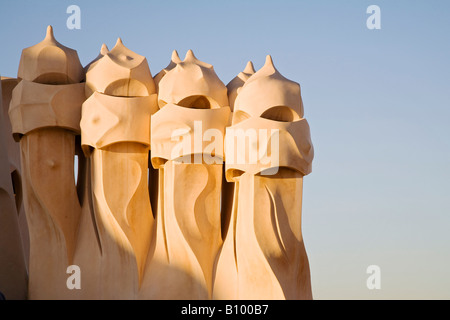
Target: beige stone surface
point(264, 256)
point(13, 149)
point(13, 272)
point(103, 51)
point(192, 84)
point(115, 129)
point(268, 94)
point(185, 188)
point(45, 110)
point(7, 86)
point(174, 60)
point(108, 120)
point(178, 132)
point(50, 62)
point(120, 72)
point(293, 147)
point(36, 106)
point(188, 236)
point(237, 82)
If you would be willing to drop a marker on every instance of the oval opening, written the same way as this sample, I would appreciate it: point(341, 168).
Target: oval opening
point(198, 102)
point(234, 174)
point(280, 113)
point(53, 78)
point(126, 88)
point(239, 116)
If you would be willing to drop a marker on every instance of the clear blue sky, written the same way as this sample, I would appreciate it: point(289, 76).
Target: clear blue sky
point(378, 102)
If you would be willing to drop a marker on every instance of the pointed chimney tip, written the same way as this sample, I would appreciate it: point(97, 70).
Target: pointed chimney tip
point(189, 55)
point(104, 49)
point(175, 57)
point(269, 60)
point(119, 41)
point(49, 33)
point(249, 68)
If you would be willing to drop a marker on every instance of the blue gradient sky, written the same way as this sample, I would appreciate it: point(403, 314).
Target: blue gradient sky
point(378, 103)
